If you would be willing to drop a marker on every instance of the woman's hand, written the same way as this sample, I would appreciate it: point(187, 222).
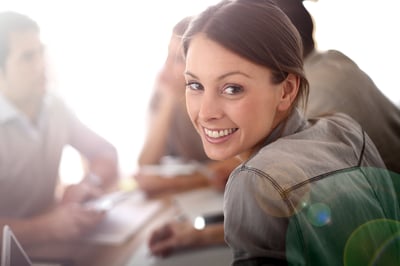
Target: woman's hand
point(153, 184)
point(173, 236)
point(180, 235)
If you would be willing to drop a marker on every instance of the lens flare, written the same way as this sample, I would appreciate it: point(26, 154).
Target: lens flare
point(319, 214)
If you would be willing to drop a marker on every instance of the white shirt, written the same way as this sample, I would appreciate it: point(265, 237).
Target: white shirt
point(30, 154)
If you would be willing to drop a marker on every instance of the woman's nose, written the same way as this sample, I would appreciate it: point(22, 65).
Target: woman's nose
point(211, 106)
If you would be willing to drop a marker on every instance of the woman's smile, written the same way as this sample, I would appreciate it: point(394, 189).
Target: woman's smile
point(218, 135)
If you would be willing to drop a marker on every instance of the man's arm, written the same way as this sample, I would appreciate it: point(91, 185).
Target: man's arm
point(64, 223)
point(100, 155)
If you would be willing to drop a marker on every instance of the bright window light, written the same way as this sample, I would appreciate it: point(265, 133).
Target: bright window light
point(104, 56)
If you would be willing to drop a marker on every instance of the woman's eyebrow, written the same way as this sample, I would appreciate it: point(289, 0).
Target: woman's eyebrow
point(222, 76)
point(188, 73)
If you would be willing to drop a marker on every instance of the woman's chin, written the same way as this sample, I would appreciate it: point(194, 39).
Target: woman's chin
point(219, 155)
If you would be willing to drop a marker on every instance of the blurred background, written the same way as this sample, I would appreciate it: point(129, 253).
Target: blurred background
point(104, 56)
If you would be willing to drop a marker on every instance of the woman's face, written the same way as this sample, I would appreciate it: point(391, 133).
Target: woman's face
point(230, 100)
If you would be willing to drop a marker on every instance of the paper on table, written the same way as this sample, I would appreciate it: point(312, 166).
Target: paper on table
point(200, 202)
point(173, 166)
point(210, 256)
point(192, 204)
point(122, 221)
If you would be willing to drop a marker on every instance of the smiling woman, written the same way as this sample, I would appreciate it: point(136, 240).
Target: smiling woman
point(105, 68)
point(282, 206)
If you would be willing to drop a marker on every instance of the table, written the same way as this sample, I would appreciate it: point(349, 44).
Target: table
point(131, 252)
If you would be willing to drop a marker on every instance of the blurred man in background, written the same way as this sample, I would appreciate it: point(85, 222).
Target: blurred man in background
point(35, 126)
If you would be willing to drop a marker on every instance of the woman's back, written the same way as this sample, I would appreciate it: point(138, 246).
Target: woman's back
point(303, 200)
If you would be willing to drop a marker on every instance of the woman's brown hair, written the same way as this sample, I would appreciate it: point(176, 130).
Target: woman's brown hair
point(258, 31)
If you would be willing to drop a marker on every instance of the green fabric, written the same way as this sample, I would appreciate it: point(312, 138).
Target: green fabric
point(348, 218)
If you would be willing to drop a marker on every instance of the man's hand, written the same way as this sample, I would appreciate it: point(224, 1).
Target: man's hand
point(68, 222)
point(80, 193)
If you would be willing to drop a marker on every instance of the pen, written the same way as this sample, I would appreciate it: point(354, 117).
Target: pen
point(202, 221)
point(213, 218)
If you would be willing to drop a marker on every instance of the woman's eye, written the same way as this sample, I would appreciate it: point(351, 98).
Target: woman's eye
point(232, 89)
point(194, 86)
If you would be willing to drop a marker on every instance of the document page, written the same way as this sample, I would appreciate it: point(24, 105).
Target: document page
point(200, 202)
point(124, 219)
point(210, 256)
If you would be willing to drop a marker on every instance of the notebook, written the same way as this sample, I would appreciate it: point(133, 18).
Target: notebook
point(12, 253)
point(124, 219)
point(200, 203)
point(210, 256)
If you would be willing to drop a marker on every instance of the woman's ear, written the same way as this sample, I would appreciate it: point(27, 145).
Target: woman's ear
point(290, 88)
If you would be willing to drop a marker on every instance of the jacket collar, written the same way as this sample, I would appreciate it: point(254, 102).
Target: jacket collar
point(292, 124)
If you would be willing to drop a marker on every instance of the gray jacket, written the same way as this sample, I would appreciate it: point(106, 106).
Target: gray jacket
point(309, 197)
